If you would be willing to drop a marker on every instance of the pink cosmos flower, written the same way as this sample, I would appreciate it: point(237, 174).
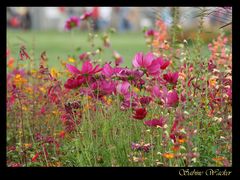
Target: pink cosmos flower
point(72, 22)
point(73, 69)
point(107, 70)
point(100, 88)
point(123, 88)
point(161, 94)
point(171, 77)
point(172, 98)
point(108, 87)
point(86, 15)
point(147, 62)
point(87, 69)
point(155, 122)
point(141, 60)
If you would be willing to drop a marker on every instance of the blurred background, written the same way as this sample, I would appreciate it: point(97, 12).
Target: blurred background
point(121, 18)
point(42, 28)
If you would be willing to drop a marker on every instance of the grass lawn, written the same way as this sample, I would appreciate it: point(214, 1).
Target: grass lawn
point(64, 44)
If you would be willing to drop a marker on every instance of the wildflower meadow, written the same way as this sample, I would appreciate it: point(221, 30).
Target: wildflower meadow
point(166, 104)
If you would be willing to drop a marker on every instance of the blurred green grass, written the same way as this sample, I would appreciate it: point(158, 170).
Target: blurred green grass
point(60, 45)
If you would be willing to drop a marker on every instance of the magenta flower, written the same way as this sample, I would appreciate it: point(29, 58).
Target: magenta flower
point(87, 69)
point(155, 122)
point(150, 32)
point(107, 70)
point(171, 77)
point(145, 100)
point(73, 83)
point(86, 15)
point(73, 69)
point(123, 88)
point(72, 22)
point(172, 98)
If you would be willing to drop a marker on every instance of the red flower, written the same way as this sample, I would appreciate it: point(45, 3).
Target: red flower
point(34, 158)
point(140, 113)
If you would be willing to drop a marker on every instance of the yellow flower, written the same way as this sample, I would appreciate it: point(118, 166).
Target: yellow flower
point(19, 80)
point(55, 112)
point(54, 73)
point(72, 60)
point(42, 89)
point(109, 101)
point(24, 108)
point(212, 81)
point(58, 164)
point(33, 71)
point(29, 90)
point(136, 90)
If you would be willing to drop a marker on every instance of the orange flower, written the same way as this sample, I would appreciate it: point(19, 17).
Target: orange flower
point(181, 140)
point(175, 148)
point(62, 134)
point(10, 62)
point(168, 155)
point(219, 160)
point(212, 82)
